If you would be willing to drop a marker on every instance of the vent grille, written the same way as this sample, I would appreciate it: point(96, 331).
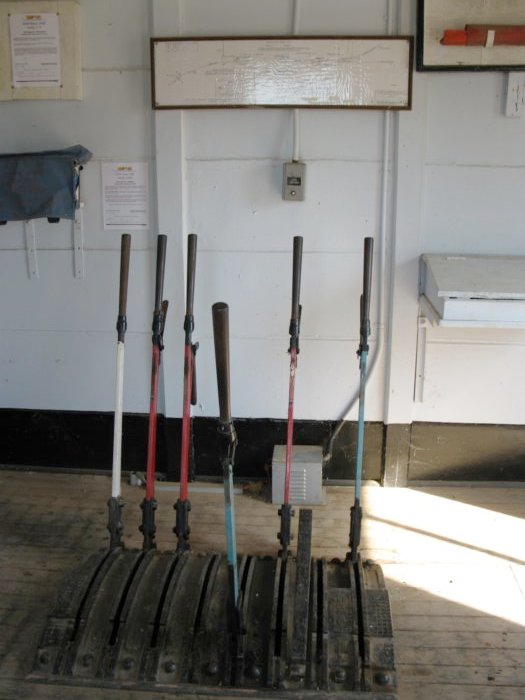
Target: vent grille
point(298, 484)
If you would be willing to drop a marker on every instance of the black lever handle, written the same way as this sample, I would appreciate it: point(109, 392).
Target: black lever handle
point(296, 279)
point(367, 289)
point(190, 278)
point(221, 332)
point(159, 277)
point(125, 248)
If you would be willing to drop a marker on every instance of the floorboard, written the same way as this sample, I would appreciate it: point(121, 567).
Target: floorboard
point(453, 558)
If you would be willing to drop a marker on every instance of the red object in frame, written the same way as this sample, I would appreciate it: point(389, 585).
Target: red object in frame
point(454, 37)
point(485, 35)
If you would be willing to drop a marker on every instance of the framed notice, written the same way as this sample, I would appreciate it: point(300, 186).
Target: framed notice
point(35, 50)
point(471, 35)
point(40, 56)
point(344, 72)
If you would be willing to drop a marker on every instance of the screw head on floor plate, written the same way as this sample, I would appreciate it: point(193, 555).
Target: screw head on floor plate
point(44, 658)
point(340, 675)
point(87, 660)
point(382, 679)
point(212, 668)
point(255, 672)
point(296, 673)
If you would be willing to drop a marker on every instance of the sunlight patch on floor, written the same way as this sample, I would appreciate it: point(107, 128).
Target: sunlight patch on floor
point(484, 549)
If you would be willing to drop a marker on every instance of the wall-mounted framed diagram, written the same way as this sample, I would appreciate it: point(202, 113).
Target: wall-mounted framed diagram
point(334, 72)
point(471, 35)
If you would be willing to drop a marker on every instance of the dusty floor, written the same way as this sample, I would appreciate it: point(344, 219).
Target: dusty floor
point(453, 557)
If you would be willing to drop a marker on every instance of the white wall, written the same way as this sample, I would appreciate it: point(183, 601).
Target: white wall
point(57, 333)
point(474, 179)
point(454, 180)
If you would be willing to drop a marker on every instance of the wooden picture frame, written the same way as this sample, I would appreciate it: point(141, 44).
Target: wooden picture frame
point(435, 17)
point(332, 72)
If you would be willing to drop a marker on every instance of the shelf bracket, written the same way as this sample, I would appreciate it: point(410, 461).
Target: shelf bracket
point(515, 94)
point(78, 242)
point(421, 351)
point(31, 250)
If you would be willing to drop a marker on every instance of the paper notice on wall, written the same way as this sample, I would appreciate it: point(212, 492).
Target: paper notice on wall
point(125, 190)
point(35, 50)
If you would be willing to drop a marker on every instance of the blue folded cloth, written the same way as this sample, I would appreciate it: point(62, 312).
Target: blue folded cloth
point(40, 185)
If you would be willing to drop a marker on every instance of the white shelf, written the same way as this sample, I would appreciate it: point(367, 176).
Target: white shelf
point(473, 290)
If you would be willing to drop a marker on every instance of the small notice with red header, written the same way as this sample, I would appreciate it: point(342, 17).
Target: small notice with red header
point(125, 191)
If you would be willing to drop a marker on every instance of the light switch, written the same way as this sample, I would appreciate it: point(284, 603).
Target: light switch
point(293, 181)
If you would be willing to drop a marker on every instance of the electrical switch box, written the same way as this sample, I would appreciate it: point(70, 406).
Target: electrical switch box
point(293, 181)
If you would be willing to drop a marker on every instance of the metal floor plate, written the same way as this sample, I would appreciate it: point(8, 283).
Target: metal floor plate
point(158, 620)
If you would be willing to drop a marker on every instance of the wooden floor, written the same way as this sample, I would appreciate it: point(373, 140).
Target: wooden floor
point(453, 558)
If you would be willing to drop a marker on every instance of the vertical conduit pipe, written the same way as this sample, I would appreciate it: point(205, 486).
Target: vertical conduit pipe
point(383, 230)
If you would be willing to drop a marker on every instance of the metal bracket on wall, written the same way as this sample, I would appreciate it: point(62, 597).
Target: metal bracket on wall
point(421, 350)
point(515, 94)
point(31, 251)
point(78, 242)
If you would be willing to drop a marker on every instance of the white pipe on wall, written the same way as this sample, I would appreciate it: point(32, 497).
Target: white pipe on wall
point(296, 116)
point(380, 274)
